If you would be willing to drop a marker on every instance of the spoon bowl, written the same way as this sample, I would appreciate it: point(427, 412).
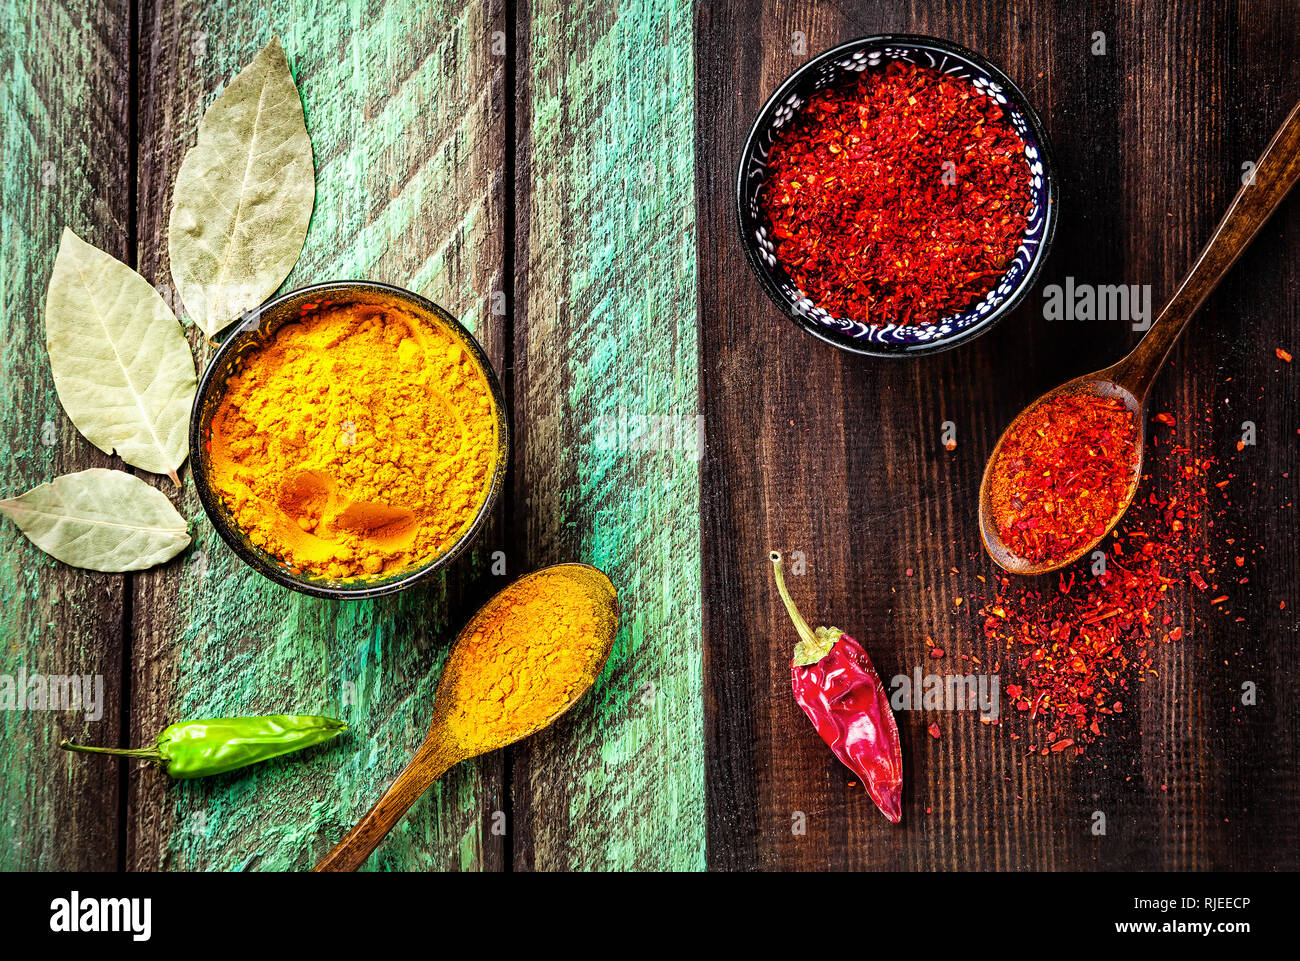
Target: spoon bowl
point(1100, 384)
point(443, 747)
point(584, 577)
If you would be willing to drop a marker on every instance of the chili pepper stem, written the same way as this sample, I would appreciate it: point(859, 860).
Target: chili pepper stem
point(813, 644)
point(805, 632)
point(150, 753)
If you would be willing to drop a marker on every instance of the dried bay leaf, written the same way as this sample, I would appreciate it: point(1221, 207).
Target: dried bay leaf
point(121, 365)
point(243, 196)
point(104, 520)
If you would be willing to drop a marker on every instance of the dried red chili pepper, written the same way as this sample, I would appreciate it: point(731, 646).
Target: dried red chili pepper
point(1062, 474)
point(843, 696)
point(897, 197)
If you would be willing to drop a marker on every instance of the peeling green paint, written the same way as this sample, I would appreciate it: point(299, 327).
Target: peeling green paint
point(404, 102)
point(611, 329)
point(62, 160)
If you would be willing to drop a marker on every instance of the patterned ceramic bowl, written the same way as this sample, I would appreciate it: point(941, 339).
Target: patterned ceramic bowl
point(835, 66)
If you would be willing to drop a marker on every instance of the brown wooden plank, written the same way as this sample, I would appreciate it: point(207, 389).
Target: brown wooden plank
point(64, 157)
point(840, 457)
point(1228, 766)
point(405, 106)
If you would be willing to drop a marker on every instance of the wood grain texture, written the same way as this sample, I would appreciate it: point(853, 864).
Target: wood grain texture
point(840, 457)
point(64, 157)
point(408, 111)
point(605, 334)
point(808, 450)
point(404, 103)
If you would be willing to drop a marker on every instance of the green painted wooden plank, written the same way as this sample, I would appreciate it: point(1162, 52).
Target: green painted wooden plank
point(63, 154)
point(606, 334)
point(404, 105)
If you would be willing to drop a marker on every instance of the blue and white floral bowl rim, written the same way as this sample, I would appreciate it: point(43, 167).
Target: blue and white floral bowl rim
point(895, 340)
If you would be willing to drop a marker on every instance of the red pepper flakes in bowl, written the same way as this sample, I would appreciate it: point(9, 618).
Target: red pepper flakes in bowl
point(899, 197)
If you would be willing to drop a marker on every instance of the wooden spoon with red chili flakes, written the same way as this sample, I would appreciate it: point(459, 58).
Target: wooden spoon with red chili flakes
point(1065, 470)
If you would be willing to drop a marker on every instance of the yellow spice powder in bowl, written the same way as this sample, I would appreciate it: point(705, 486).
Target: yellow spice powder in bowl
point(354, 442)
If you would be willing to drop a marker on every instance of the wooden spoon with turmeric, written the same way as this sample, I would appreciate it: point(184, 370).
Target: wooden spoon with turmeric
point(523, 660)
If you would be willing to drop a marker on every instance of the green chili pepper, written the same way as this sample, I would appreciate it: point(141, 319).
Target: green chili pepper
point(199, 748)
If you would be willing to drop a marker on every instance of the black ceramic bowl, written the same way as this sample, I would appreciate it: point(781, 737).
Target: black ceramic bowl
point(836, 66)
point(255, 330)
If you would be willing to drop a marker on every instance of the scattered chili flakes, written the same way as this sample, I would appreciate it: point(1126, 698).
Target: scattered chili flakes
point(898, 197)
point(1283, 355)
point(1078, 648)
point(934, 730)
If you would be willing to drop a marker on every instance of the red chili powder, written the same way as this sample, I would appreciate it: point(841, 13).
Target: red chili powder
point(899, 197)
point(1081, 643)
point(1061, 474)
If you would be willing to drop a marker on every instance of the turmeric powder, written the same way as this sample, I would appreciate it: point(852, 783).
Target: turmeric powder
point(357, 442)
point(532, 651)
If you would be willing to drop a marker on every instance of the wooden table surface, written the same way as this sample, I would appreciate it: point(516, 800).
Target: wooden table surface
point(562, 180)
point(842, 458)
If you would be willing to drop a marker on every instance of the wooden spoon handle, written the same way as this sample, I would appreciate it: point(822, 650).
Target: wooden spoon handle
point(430, 763)
point(1275, 174)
